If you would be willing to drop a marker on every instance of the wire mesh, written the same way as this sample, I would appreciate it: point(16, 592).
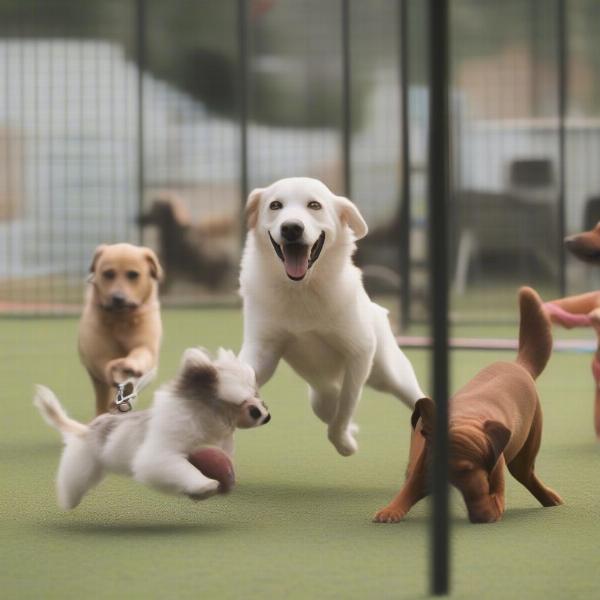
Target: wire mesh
point(114, 113)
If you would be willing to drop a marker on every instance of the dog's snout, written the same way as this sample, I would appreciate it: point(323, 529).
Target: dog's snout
point(255, 413)
point(118, 300)
point(291, 231)
point(267, 418)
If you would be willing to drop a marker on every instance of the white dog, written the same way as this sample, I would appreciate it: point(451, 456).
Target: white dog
point(202, 406)
point(304, 301)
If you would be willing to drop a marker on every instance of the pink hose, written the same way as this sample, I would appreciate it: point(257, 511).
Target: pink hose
point(565, 318)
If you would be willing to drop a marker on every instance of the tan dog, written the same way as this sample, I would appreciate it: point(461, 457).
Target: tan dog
point(495, 420)
point(120, 328)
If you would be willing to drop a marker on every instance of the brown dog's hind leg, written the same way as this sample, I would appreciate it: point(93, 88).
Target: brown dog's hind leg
point(414, 488)
point(522, 466)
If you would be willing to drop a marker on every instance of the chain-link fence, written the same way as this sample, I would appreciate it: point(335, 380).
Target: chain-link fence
point(148, 121)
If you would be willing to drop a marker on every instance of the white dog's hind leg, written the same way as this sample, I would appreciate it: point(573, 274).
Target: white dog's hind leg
point(392, 372)
point(324, 402)
point(172, 473)
point(79, 471)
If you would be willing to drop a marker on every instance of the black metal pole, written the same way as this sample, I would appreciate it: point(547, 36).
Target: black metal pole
point(405, 210)
point(141, 24)
point(346, 99)
point(562, 33)
point(438, 188)
point(243, 97)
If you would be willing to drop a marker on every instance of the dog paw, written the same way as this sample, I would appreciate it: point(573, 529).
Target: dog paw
point(389, 515)
point(353, 428)
point(121, 369)
point(343, 441)
point(206, 491)
point(552, 498)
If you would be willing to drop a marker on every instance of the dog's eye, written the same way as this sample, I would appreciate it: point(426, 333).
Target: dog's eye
point(132, 275)
point(110, 274)
point(314, 205)
point(275, 205)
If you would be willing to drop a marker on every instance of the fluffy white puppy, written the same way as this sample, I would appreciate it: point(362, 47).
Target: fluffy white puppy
point(304, 301)
point(202, 406)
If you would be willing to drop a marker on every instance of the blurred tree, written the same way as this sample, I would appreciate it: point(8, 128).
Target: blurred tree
point(194, 46)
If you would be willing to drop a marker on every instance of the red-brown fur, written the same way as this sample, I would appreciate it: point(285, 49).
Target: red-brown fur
point(495, 420)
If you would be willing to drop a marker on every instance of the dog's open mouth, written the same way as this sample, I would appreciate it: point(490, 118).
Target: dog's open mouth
point(298, 258)
point(120, 308)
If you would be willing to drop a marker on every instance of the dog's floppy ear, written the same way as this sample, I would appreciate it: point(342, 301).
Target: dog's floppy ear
point(350, 215)
point(197, 373)
point(97, 253)
point(252, 205)
point(156, 271)
point(498, 436)
point(424, 410)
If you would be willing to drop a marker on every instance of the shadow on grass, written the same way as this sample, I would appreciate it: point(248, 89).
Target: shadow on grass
point(135, 529)
point(312, 491)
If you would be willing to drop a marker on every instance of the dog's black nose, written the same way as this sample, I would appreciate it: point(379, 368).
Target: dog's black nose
point(118, 300)
point(255, 413)
point(292, 231)
point(267, 419)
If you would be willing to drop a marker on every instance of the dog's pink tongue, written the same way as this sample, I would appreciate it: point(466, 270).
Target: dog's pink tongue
point(295, 260)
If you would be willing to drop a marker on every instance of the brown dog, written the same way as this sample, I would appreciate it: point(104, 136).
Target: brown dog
point(120, 328)
point(495, 420)
point(195, 251)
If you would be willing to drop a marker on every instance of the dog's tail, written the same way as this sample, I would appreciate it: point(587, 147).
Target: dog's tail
point(54, 414)
point(535, 333)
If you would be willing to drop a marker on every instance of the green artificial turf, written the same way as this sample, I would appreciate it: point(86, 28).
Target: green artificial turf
point(298, 523)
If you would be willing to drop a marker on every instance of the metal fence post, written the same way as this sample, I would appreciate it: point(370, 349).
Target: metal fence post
point(141, 25)
point(438, 191)
point(405, 210)
point(346, 99)
point(242, 34)
point(562, 80)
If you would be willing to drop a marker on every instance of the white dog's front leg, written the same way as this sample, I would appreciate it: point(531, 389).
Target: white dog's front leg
point(341, 430)
point(172, 473)
point(263, 356)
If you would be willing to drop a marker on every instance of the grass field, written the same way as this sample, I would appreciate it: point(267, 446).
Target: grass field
point(298, 523)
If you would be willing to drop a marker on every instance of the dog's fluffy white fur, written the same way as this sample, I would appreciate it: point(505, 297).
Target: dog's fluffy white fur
point(202, 406)
point(304, 301)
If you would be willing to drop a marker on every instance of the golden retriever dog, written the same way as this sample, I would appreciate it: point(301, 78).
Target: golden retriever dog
point(120, 328)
